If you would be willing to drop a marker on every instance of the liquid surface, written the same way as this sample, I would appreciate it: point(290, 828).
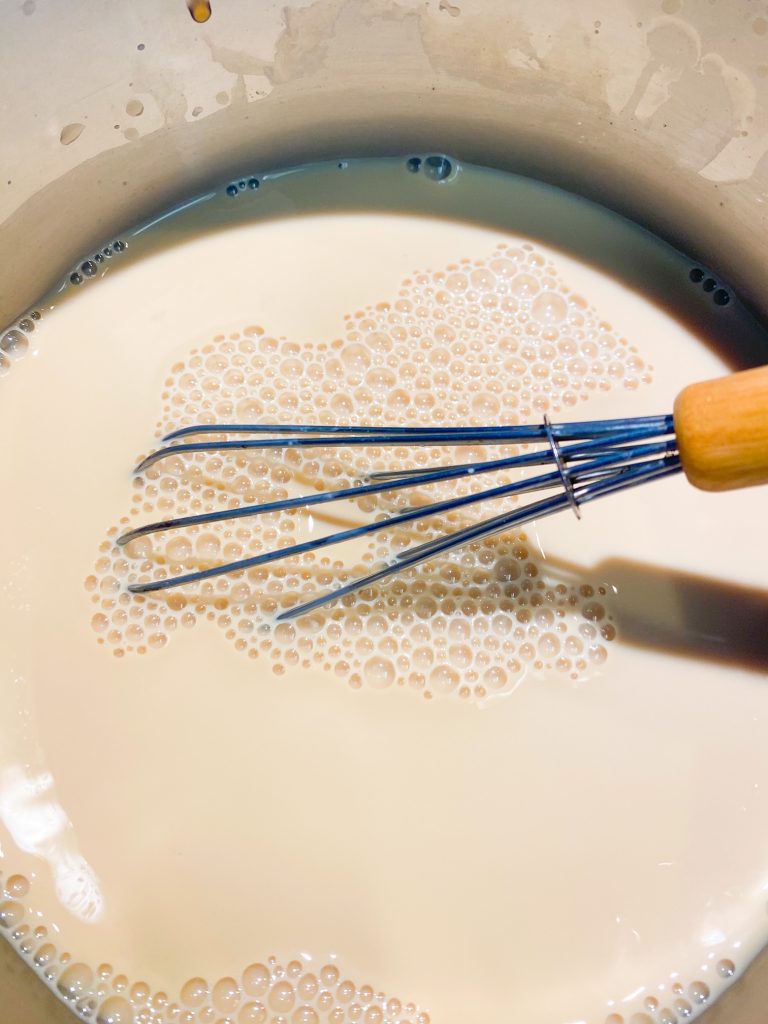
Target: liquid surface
point(526, 781)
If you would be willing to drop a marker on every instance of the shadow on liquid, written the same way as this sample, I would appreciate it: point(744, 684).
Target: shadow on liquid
point(689, 615)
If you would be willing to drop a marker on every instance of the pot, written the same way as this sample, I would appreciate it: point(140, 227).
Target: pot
point(113, 111)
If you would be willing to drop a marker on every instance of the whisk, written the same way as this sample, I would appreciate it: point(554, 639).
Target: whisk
point(717, 435)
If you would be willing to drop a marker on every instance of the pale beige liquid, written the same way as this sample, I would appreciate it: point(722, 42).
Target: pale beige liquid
point(588, 846)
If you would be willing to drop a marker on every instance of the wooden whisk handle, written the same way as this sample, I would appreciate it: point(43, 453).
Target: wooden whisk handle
point(722, 430)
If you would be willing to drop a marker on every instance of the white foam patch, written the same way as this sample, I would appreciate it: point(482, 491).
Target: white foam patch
point(500, 340)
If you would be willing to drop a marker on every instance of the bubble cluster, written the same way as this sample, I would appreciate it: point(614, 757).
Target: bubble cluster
point(436, 167)
point(500, 340)
point(720, 295)
point(268, 991)
point(265, 992)
point(94, 265)
point(14, 343)
point(236, 187)
point(684, 1004)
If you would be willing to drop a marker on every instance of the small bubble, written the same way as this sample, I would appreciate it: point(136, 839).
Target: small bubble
point(282, 997)
point(726, 968)
point(115, 1010)
point(178, 550)
point(438, 168)
point(721, 297)
point(304, 1015)
point(232, 190)
point(594, 611)
point(139, 993)
point(379, 672)
point(194, 992)
point(252, 1013)
point(17, 886)
point(699, 991)
point(208, 545)
point(329, 974)
point(14, 345)
point(444, 679)
point(45, 955)
point(256, 979)
point(413, 164)
point(307, 987)
point(226, 995)
point(548, 645)
point(11, 914)
point(75, 981)
point(549, 308)
point(495, 678)
point(345, 992)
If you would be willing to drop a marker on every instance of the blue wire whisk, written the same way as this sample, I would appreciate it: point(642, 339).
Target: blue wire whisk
point(718, 435)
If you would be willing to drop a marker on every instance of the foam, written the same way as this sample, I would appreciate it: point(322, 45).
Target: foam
point(484, 341)
point(263, 990)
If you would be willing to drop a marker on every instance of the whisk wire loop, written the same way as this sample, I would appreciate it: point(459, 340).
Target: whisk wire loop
point(600, 457)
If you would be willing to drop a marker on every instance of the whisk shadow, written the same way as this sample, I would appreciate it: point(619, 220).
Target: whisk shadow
point(689, 615)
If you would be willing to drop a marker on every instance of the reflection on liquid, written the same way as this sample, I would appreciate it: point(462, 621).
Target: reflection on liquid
point(30, 811)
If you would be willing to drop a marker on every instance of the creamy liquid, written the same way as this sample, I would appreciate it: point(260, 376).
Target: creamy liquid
point(526, 782)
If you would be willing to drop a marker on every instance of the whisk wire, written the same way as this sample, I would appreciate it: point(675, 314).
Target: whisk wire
point(630, 477)
point(381, 482)
point(607, 455)
point(620, 476)
point(318, 436)
point(517, 432)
